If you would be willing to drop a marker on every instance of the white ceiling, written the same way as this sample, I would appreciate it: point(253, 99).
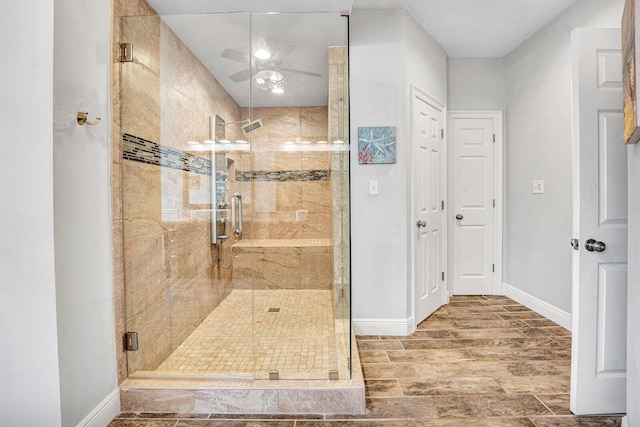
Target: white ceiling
point(477, 28)
point(464, 28)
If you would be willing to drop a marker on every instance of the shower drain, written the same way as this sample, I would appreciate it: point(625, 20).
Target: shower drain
point(274, 309)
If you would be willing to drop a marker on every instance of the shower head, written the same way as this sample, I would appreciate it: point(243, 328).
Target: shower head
point(248, 126)
point(251, 126)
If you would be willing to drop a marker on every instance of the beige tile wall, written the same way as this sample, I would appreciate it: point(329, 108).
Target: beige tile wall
point(273, 215)
point(167, 278)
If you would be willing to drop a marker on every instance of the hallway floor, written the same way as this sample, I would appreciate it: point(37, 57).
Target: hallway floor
point(479, 361)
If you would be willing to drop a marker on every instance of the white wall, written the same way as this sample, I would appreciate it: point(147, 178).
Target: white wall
point(384, 61)
point(56, 309)
point(29, 380)
point(82, 203)
point(475, 83)
point(538, 122)
point(633, 289)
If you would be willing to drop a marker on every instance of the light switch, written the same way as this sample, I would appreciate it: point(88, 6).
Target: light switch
point(538, 186)
point(373, 186)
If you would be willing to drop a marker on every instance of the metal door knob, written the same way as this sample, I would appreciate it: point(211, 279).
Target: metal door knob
point(592, 246)
point(420, 224)
point(459, 217)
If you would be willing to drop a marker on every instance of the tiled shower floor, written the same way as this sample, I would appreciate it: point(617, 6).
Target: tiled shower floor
point(253, 332)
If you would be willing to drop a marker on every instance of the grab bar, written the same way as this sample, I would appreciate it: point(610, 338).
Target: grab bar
point(236, 214)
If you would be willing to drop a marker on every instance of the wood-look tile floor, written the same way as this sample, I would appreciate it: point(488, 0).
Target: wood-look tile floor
point(479, 361)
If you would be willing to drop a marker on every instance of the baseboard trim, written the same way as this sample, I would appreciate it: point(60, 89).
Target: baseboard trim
point(547, 310)
point(625, 422)
point(396, 327)
point(104, 413)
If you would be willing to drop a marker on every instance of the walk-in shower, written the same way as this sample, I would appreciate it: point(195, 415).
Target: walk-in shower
point(235, 196)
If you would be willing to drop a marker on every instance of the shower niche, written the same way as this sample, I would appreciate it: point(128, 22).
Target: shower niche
point(235, 196)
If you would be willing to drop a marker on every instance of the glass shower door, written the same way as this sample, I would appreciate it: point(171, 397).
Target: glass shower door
point(299, 205)
point(176, 199)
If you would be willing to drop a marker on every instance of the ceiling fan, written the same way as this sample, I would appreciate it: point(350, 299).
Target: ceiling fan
point(262, 60)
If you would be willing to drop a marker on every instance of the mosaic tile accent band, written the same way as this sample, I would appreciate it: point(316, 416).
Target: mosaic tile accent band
point(283, 176)
point(152, 153)
point(149, 152)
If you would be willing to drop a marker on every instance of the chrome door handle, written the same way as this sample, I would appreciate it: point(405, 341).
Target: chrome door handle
point(236, 214)
point(420, 224)
point(459, 217)
point(592, 246)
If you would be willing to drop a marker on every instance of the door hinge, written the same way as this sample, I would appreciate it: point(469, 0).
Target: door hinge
point(443, 276)
point(441, 133)
point(442, 205)
point(494, 137)
point(125, 52)
point(130, 341)
point(494, 203)
point(493, 268)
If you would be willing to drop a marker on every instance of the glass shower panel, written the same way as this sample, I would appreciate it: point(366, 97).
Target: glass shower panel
point(235, 195)
point(178, 183)
point(300, 196)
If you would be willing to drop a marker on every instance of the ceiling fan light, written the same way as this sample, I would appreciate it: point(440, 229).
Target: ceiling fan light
point(269, 80)
point(262, 54)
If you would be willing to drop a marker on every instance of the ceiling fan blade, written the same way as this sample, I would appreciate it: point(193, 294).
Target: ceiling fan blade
point(279, 47)
point(304, 73)
point(240, 76)
point(235, 55)
point(281, 52)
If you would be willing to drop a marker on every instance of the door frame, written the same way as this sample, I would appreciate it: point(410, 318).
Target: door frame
point(417, 92)
point(498, 191)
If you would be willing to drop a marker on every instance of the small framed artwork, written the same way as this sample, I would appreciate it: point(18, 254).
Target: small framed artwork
point(376, 145)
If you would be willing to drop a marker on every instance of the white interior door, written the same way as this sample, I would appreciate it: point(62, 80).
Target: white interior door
point(428, 170)
point(474, 135)
point(598, 365)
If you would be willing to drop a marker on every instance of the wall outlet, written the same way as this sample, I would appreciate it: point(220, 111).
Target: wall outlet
point(538, 186)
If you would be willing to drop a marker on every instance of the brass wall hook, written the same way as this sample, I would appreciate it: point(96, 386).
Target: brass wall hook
point(81, 117)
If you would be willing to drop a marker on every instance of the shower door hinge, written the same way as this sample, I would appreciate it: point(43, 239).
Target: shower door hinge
point(125, 52)
point(130, 340)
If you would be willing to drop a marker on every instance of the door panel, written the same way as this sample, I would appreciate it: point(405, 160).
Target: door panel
point(473, 195)
point(612, 293)
point(428, 187)
point(472, 243)
point(473, 190)
point(598, 365)
point(612, 169)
